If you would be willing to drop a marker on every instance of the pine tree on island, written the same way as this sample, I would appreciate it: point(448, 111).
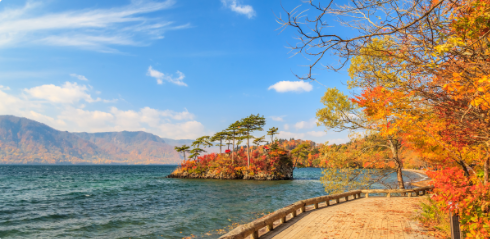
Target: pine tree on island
point(233, 132)
point(196, 151)
point(259, 140)
point(272, 131)
point(250, 124)
point(182, 149)
point(220, 136)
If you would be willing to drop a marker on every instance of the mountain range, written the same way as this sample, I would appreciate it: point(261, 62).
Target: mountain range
point(25, 141)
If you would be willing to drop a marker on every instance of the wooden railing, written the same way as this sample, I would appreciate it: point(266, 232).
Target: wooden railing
point(282, 214)
point(408, 192)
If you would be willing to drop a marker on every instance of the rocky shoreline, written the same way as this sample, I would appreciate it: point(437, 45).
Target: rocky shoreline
point(283, 173)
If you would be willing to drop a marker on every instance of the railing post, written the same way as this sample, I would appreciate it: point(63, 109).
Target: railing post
point(367, 195)
point(303, 209)
point(327, 202)
point(270, 226)
point(283, 220)
point(316, 206)
point(255, 235)
point(347, 198)
point(294, 213)
point(388, 195)
point(337, 200)
point(455, 229)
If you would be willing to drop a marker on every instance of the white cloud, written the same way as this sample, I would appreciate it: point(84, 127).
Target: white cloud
point(316, 133)
point(14, 105)
point(277, 118)
point(159, 76)
point(288, 135)
point(185, 130)
point(93, 29)
point(306, 124)
point(4, 87)
point(295, 86)
point(235, 6)
point(161, 123)
point(286, 126)
point(45, 119)
point(80, 77)
point(68, 93)
point(63, 113)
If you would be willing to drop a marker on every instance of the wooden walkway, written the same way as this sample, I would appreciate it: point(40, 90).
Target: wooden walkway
point(374, 217)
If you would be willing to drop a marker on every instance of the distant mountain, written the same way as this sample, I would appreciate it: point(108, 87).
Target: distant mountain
point(24, 141)
point(178, 142)
point(134, 147)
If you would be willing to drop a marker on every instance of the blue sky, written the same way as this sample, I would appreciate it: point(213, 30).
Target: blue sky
point(178, 69)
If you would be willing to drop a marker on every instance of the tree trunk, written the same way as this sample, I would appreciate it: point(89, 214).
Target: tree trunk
point(220, 145)
point(399, 175)
point(233, 149)
point(394, 146)
point(248, 149)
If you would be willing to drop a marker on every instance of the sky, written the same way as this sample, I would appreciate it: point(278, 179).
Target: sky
point(177, 69)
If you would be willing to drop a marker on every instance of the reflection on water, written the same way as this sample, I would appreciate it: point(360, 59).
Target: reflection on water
point(135, 201)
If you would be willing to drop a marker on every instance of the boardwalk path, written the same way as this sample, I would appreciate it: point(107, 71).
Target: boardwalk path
point(374, 217)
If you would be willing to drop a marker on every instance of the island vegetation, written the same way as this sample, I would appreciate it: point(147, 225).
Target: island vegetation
point(273, 160)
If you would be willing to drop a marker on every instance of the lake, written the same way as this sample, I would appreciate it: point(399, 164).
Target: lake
point(136, 201)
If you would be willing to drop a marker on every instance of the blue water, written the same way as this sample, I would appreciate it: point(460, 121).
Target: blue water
point(135, 201)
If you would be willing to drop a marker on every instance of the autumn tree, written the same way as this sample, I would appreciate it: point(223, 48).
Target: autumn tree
point(429, 49)
point(423, 68)
point(341, 113)
point(300, 153)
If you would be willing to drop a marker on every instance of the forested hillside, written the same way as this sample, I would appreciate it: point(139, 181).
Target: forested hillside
point(24, 141)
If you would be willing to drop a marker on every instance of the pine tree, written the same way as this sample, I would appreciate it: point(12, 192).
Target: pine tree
point(250, 124)
point(182, 149)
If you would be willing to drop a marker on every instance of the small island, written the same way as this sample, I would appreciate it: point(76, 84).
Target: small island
point(264, 161)
point(265, 164)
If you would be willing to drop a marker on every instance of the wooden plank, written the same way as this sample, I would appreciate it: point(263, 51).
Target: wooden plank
point(311, 228)
point(325, 225)
point(377, 227)
point(367, 231)
point(402, 234)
